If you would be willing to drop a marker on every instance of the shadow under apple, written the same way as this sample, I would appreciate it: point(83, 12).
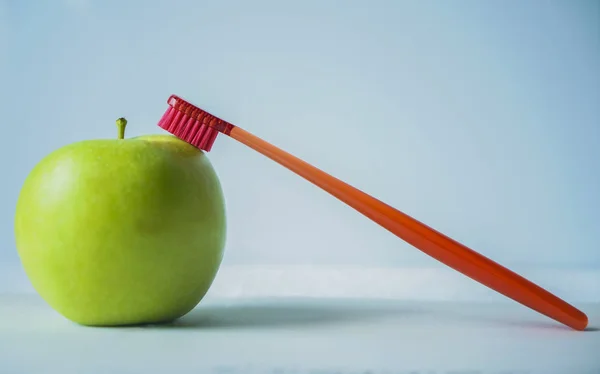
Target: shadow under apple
point(277, 314)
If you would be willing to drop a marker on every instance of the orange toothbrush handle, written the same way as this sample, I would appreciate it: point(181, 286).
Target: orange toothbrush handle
point(431, 242)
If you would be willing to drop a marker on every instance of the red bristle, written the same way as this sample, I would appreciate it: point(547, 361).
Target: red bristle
point(169, 123)
point(178, 122)
point(211, 141)
point(192, 124)
point(199, 133)
point(187, 128)
point(173, 121)
point(202, 140)
point(184, 127)
point(205, 137)
point(163, 119)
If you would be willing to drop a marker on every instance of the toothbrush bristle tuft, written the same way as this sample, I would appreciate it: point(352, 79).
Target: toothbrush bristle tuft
point(192, 124)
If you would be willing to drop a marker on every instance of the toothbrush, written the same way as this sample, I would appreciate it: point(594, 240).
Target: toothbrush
point(200, 128)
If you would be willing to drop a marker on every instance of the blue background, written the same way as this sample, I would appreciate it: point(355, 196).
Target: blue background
point(480, 118)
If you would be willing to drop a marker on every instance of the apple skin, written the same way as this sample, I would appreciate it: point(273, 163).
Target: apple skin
point(122, 231)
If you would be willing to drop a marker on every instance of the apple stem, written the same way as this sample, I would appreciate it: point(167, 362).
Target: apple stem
point(121, 123)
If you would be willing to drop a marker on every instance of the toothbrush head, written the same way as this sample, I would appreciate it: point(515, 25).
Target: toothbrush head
point(192, 124)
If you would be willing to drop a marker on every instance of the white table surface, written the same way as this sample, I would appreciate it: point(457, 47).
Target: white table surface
point(318, 336)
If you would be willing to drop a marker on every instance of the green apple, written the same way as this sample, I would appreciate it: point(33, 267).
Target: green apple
point(122, 231)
